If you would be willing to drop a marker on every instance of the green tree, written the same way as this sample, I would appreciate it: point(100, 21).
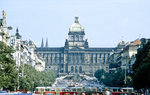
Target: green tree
point(32, 78)
point(114, 79)
point(111, 79)
point(8, 73)
point(141, 71)
point(99, 74)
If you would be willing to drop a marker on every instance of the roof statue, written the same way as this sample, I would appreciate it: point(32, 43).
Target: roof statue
point(66, 43)
point(76, 19)
point(4, 13)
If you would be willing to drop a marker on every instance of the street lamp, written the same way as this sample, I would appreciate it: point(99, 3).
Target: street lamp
point(125, 80)
point(124, 60)
point(19, 74)
point(102, 68)
point(125, 74)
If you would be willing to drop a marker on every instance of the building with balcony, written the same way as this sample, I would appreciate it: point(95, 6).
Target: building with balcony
point(24, 52)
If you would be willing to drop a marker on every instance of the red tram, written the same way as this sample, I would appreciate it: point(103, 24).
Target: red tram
point(49, 93)
point(68, 93)
point(80, 90)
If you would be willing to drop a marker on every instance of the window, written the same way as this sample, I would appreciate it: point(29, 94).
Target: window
point(81, 38)
point(72, 38)
point(76, 70)
point(80, 69)
point(107, 69)
point(76, 38)
point(72, 69)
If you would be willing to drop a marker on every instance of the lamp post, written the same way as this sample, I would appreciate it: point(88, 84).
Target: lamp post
point(102, 68)
point(18, 78)
point(19, 75)
point(125, 74)
point(124, 58)
point(125, 80)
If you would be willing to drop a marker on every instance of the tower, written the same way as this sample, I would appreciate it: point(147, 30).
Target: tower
point(4, 33)
point(42, 43)
point(18, 36)
point(4, 19)
point(46, 43)
point(76, 37)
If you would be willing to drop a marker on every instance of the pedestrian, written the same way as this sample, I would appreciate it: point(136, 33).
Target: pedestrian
point(83, 93)
point(107, 92)
point(122, 92)
point(142, 93)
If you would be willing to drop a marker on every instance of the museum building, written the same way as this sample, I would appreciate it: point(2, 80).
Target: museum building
point(76, 57)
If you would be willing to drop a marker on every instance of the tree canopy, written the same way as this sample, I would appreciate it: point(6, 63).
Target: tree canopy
point(141, 68)
point(111, 79)
point(30, 78)
point(24, 76)
point(8, 72)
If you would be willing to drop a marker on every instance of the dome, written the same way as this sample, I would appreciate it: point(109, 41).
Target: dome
point(76, 27)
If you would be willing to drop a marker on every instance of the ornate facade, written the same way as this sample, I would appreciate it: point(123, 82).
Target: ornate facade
point(4, 30)
point(24, 52)
point(76, 56)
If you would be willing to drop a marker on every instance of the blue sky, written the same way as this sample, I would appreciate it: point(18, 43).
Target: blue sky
point(106, 22)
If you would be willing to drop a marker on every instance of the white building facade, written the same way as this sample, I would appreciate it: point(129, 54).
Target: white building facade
point(24, 50)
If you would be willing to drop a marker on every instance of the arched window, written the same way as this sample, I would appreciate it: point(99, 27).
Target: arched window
point(80, 69)
point(76, 70)
point(76, 38)
point(72, 38)
point(72, 69)
point(91, 70)
point(81, 38)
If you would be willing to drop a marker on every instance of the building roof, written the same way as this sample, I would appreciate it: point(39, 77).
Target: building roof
point(50, 49)
point(100, 49)
point(136, 42)
point(76, 26)
point(62, 49)
point(122, 43)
